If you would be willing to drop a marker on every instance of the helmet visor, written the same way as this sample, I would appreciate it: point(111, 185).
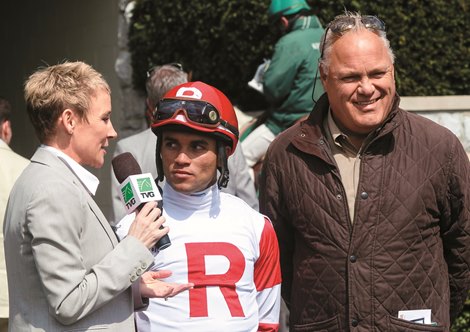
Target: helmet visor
point(197, 112)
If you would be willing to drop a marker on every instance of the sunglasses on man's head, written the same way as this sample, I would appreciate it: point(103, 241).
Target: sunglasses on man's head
point(342, 24)
point(176, 65)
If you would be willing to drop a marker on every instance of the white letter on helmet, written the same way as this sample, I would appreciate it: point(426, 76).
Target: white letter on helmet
point(189, 92)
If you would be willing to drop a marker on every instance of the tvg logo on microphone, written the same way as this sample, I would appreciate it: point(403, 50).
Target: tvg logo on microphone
point(128, 194)
point(144, 184)
point(137, 190)
point(145, 187)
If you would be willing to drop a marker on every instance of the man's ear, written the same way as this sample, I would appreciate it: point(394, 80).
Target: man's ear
point(5, 132)
point(149, 110)
point(284, 22)
point(150, 107)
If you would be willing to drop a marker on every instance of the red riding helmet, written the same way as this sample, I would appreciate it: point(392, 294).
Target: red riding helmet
point(201, 107)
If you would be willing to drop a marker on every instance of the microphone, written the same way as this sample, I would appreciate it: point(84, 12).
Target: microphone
point(136, 188)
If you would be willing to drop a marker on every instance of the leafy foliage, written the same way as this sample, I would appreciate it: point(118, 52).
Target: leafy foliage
point(223, 41)
point(462, 323)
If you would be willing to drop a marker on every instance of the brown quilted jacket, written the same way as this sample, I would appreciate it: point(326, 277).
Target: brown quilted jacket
point(409, 246)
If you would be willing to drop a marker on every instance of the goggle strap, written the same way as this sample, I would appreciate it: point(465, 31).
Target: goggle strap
point(229, 127)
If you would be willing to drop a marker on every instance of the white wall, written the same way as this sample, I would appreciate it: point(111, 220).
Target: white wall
point(452, 112)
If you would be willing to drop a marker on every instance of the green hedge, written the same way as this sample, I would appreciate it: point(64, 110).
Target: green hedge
point(222, 42)
point(462, 323)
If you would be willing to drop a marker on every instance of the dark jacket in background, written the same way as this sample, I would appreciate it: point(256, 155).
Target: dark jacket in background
point(409, 246)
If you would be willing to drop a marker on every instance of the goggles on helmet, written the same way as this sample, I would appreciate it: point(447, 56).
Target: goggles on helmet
point(198, 112)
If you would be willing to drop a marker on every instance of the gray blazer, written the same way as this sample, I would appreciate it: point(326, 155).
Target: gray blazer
point(66, 269)
point(142, 146)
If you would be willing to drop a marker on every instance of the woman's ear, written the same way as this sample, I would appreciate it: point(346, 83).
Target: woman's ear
point(68, 120)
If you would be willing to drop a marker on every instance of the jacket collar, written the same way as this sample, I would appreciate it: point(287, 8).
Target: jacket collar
point(90, 182)
point(42, 156)
point(306, 22)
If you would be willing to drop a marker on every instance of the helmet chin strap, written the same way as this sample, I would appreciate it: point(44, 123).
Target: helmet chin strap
point(158, 158)
point(222, 165)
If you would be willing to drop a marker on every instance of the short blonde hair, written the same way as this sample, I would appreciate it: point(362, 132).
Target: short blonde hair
point(51, 90)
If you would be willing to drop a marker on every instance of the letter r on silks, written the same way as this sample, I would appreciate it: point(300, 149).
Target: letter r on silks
point(197, 274)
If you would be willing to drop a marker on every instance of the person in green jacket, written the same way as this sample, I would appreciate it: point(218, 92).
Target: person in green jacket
point(289, 76)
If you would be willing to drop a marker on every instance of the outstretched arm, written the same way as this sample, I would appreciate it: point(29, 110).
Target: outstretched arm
point(151, 285)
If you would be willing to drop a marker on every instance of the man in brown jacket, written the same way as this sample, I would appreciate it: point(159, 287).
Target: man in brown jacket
point(371, 204)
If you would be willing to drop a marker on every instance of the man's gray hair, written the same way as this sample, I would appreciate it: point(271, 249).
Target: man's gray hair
point(330, 37)
point(162, 79)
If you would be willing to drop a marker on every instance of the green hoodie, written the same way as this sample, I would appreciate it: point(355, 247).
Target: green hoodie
point(288, 81)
